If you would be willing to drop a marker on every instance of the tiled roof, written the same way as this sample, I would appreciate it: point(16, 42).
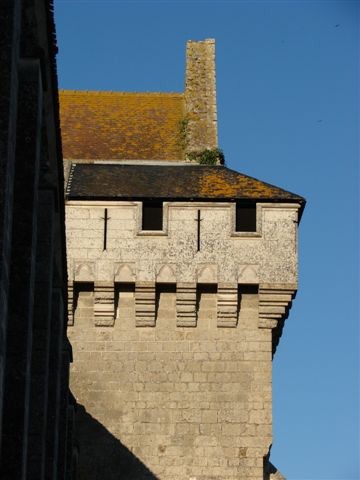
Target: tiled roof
point(114, 181)
point(113, 125)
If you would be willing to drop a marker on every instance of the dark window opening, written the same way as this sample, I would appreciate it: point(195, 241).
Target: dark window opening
point(246, 217)
point(152, 215)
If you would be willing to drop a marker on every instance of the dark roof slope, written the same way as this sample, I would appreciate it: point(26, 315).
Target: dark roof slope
point(121, 125)
point(196, 182)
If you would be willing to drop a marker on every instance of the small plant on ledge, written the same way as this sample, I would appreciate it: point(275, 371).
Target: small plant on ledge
point(214, 156)
point(183, 129)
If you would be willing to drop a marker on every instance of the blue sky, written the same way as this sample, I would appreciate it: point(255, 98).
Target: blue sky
point(288, 113)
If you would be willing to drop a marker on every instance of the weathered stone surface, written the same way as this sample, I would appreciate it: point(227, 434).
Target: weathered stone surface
point(182, 402)
point(104, 304)
point(177, 394)
point(200, 96)
point(227, 304)
point(186, 314)
point(267, 256)
point(145, 301)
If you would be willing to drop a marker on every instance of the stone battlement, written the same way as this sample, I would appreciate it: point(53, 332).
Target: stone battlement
point(101, 302)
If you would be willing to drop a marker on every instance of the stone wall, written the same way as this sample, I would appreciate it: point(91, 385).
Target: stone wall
point(180, 402)
point(268, 255)
point(173, 345)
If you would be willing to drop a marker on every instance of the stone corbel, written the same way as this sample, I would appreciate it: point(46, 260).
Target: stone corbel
point(104, 304)
point(186, 315)
point(274, 303)
point(145, 303)
point(227, 305)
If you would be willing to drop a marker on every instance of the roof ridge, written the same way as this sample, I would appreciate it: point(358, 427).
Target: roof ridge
point(110, 92)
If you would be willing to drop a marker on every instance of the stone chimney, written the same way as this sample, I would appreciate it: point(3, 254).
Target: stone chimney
point(200, 97)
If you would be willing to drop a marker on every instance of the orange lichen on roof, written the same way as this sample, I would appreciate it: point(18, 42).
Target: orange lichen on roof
point(227, 183)
point(121, 125)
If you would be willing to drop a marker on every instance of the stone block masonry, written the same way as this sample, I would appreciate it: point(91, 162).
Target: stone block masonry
point(184, 402)
point(268, 255)
point(200, 96)
point(173, 345)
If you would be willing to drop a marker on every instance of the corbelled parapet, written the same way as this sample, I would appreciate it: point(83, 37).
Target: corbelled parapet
point(200, 123)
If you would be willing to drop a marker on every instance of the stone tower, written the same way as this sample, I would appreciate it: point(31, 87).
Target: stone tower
point(181, 274)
